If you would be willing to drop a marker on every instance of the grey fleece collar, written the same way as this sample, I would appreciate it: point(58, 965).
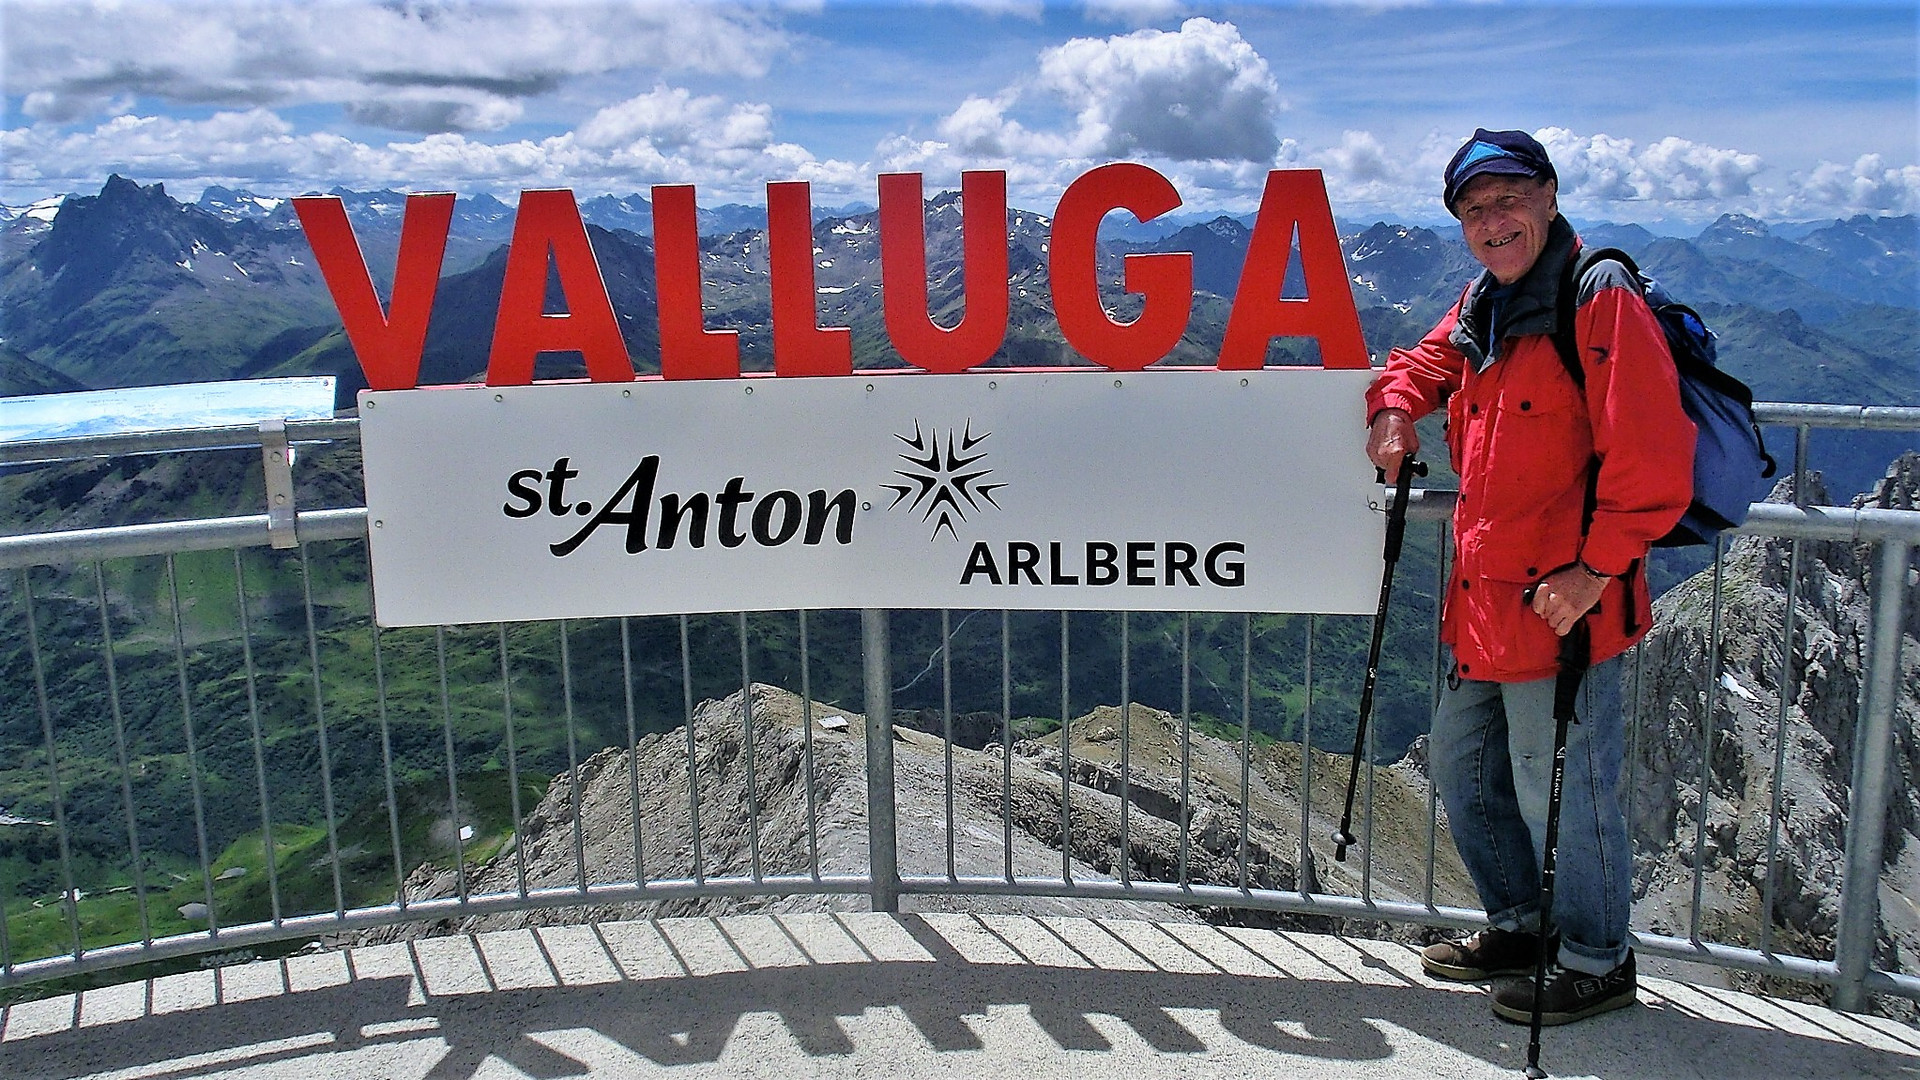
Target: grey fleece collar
point(1530, 310)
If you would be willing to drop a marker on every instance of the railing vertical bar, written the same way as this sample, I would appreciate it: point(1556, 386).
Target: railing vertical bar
point(1186, 743)
point(946, 719)
point(1366, 814)
point(1066, 762)
point(1441, 535)
point(1801, 435)
point(386, 760)
point(513, 763)
point(1006, 739)
point(126, 767)
point(6, 941)
point(69, 895)
point(1706, 742)
point(453, 759)
point(320, 724)
point(1246, 739)
point(1872, 787)
point(883, 853)
point(1306, 764)
point(693, 757)
point(806, 750)
point(633, 759)
point(1788, 690)
point(193, 761)
point(1635, 718)
point(1126, 747)
point(746, 719)
point(573, 759)
point(270, 851)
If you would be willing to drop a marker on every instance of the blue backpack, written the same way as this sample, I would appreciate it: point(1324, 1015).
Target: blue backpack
point(1731, 465)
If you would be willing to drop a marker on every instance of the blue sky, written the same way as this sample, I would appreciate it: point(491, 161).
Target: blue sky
point(1654, 112)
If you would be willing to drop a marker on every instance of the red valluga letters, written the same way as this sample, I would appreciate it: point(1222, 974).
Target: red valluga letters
point(549, 234)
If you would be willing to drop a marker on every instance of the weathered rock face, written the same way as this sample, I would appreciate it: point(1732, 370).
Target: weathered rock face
point(801, 804)
point(1709, 764)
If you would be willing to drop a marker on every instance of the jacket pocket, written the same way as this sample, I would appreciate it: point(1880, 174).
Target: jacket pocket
point(1539, 446)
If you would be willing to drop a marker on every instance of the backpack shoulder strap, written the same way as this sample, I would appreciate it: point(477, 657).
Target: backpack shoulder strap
point(1568, 304)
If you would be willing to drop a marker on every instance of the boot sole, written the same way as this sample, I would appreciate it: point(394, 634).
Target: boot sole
point(1553, 1019)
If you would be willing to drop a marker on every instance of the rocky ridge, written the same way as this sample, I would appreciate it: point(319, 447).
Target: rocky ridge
point(1006, 814)
point(1730, 726)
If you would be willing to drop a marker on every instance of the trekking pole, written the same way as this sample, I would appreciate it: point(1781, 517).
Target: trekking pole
point(1396, 530)
point(1575, 654)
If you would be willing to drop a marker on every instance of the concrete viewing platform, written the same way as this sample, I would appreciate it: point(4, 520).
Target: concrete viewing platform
point(874, 995)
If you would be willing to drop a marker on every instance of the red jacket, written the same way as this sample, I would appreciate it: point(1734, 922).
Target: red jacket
point(1522, 438)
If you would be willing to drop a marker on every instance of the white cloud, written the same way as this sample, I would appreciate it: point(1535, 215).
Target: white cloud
point(674, 118)
point(1602, 168)
point(1196, 94)
point(667, 135)
point(1868, 186)
point(1360, 157)
point(407, 66)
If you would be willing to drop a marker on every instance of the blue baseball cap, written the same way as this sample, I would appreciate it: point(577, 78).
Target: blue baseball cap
point(1508, 153)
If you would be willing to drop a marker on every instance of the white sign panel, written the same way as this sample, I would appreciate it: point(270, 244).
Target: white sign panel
point(1160, 490)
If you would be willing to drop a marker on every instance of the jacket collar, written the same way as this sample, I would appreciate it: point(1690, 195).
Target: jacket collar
point(1530, 310)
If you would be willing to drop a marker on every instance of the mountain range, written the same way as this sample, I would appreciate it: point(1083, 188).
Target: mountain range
point(133, 287)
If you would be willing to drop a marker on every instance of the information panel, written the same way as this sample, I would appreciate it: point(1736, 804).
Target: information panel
point(1180, 489)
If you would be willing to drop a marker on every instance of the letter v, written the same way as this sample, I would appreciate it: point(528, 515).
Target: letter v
point(389, 343)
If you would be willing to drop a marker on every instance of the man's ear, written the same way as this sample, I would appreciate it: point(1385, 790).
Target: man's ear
point(1553, 194)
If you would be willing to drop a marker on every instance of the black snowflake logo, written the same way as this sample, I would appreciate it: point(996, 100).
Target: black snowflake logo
point(939, 480)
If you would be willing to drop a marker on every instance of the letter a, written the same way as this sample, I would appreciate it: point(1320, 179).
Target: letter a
point(903, 272)
point(388, 343)
point(1294, 197)
point(548, 224)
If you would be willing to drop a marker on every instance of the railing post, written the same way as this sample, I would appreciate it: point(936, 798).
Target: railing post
point(1872, 779)
point(883, 855)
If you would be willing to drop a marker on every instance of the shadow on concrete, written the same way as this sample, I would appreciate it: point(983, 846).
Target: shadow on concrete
point(1322, 1025)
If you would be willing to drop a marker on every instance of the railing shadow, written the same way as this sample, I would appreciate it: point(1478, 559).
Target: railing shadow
point(1197, 1000)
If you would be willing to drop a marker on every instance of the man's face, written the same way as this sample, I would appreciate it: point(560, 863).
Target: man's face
point(1505, 220)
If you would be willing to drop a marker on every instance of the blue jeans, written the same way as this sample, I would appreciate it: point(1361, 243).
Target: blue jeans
point(1492, 760)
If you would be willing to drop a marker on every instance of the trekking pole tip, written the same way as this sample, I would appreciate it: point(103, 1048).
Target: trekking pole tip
point(1342, 840)
point(1535, 1072)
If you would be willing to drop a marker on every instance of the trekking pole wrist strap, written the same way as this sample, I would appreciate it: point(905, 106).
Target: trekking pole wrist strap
point(1591, 572)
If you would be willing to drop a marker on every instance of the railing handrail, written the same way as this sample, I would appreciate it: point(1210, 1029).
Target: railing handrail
point(170, 440)
point(1851, 972)
point(248, 436)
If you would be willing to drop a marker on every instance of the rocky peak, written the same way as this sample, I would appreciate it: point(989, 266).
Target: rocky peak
point(1710, 762)
point(124, 229)
point(1736, 225)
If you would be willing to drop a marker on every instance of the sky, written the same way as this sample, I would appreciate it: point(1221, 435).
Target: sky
point(1655, 113)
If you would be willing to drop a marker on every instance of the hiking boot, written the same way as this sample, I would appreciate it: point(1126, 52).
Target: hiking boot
point(1567, 995)
point(1490, 952)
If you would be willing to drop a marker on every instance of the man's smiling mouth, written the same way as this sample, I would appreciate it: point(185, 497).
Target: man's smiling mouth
point(1503, 241)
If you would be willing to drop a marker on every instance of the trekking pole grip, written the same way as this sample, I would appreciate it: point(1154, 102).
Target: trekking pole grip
point(1397, 513)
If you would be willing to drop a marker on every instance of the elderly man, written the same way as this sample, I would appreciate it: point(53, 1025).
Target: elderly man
point(1562, 490)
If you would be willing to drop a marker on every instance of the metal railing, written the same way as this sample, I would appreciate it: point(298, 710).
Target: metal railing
point(234, 695)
